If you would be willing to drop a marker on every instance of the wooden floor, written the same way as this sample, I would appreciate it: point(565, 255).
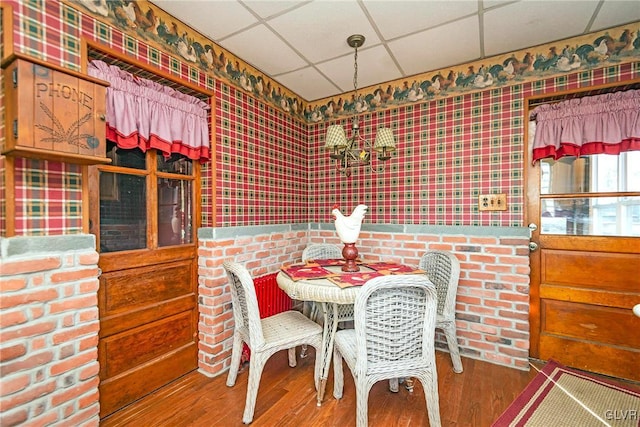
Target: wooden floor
point(286, 397)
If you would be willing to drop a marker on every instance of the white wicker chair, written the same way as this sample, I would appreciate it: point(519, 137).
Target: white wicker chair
point(443, 269)
point(393, 337)
point(318, 251)
point(282, 331)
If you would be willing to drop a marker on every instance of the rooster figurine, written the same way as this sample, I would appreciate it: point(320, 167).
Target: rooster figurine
point(348, 229)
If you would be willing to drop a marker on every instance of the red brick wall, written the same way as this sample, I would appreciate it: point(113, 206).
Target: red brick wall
point(492, 308)
point(49, 331)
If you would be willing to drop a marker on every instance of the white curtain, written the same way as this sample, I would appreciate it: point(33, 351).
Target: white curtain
point(145, 114)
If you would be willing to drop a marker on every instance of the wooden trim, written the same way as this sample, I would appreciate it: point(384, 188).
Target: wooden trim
point(6, 62)
point(89, 44)
point(153, 204)
point(10, 196)
point(85, 199)
point(7, 32)
point(531, 100)
point(213, 143)
point(196, 191)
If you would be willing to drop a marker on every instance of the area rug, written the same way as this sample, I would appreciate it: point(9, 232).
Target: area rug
point(563, 397)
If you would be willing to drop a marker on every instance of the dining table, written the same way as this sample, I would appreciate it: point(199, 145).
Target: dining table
point(324, 282)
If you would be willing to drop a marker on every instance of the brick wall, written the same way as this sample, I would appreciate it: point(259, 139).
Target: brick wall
point(492, 308)
point(263, 250)
point(49, 331)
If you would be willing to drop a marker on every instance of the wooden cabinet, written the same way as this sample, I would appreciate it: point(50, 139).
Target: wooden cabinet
point(53, 113)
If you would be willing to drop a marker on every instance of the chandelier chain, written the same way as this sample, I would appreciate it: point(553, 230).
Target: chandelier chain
point(355, 73)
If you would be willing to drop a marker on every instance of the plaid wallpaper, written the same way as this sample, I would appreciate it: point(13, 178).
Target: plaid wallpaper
point(48, 197)
point(272, 169)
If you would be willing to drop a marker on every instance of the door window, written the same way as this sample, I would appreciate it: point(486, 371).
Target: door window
point(139, 186)
point(596, 195)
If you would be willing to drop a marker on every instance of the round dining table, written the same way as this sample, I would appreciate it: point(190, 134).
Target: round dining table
point(336, 301)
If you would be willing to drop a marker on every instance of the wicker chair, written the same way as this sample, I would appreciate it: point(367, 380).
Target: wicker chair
point(318, 251)
point(393, 337)
point(282, 331)
point(443, 269)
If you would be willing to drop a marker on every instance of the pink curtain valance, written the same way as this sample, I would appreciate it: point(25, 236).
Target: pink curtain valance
point(601, 124)
point(145, 114)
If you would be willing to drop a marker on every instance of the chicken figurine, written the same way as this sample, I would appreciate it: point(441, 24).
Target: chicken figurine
point(348, 229)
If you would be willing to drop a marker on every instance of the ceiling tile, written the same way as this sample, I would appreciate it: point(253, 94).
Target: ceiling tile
point(416, 15)
point(532, 22)
point(436, 48)
point(267, 9)
point(374, 66)
point(309, 84)
point(246, 45)
point(614, 12)
point(213, 19)
point(319, 30)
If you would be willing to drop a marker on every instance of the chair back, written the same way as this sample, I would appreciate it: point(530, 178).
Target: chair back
point(321, 251)
point(443, 269)
point(246, 313)
point(395, 324)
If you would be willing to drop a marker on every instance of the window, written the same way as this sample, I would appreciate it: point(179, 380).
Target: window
point(596, 195)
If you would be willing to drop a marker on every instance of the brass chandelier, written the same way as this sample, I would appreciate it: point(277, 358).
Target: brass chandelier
point(356, 150)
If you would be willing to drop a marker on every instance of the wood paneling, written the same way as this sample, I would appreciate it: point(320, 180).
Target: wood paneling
point(588, 269)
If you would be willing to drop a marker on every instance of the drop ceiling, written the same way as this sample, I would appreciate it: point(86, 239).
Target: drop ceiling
point(302, 44)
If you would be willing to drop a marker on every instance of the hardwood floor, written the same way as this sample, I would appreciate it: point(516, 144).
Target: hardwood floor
point(287, 398)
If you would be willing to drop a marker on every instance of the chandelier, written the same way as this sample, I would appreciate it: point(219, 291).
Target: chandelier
point(357, 151)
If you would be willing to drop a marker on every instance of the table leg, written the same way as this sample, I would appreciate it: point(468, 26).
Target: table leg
point(330, 311)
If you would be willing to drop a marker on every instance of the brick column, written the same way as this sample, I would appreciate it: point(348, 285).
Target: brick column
point(49, 331)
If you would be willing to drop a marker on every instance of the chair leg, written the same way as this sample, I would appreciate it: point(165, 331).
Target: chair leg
point(236, 354)
point(292, 357)
point(454, 350)
point(317, 371)
point(430, 386)
point(362, 407)
point(256, 365)
point(338, 375)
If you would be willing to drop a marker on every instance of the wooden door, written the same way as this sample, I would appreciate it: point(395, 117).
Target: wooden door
point(585, 273)
point(144, 216)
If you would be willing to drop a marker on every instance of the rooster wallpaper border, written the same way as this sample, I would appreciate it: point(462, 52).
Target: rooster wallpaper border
point(595, 50)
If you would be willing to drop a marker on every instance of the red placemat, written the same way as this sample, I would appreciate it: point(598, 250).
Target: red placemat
point(346, 280)
point(327, 262)
point(386, 268)
point(330, 262)
point(306, 271)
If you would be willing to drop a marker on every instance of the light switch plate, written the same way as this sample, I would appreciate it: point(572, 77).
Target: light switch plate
point(492, 202)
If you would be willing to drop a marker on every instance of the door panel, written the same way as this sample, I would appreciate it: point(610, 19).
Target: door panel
point(148, 333)
point(119, 391)
point(593, 270)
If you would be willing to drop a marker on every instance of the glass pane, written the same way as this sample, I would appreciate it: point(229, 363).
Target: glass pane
point(591, 216)
point(176, 163)
point(123, 212)
point(175, 212)
point(133, 158)
point(591, 174)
